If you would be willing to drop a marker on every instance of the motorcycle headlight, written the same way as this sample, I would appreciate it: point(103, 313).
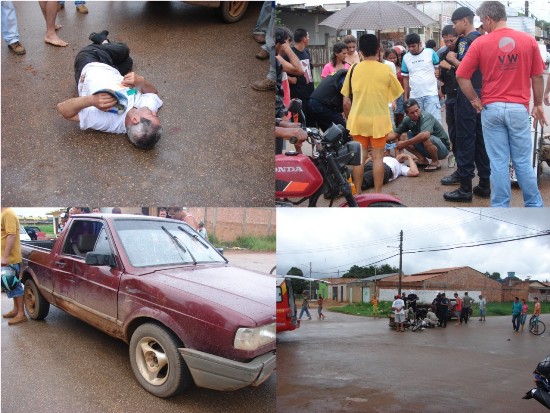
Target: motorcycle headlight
point(251, 339)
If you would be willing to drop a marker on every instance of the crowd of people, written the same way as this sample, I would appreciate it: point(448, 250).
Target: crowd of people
point(442, 309)
point(391, 99)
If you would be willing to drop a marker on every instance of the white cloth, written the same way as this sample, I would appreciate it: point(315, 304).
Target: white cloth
point(420, 70)
point(398, 169)
point(399, 303)
point(96, 76)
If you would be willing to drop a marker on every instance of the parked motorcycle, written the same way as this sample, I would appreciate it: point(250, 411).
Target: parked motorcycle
point(324, 172)
point(541, 393)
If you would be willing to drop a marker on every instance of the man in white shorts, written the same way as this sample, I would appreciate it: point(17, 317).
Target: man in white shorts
point(112, 98)
point(398, 307)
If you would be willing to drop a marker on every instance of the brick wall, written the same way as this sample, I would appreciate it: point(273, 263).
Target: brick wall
point(521, 290)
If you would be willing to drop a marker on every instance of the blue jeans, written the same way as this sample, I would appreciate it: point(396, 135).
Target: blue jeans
point(507, 133)
point(10, 33)
point(516, 321)
point(263, 18)
point(430, 104)
point(304, 310)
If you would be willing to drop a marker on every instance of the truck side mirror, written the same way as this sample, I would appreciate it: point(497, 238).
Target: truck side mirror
point(95, 258)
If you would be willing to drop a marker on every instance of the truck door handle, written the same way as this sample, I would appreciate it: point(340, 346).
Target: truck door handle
point(61, 264)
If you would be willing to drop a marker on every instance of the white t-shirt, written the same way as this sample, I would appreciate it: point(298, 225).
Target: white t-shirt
point(420, 70)
point(397, 168)
point(399, 303)
point(97, 76)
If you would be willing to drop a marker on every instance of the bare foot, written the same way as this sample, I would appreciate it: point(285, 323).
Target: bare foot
point(55, 41)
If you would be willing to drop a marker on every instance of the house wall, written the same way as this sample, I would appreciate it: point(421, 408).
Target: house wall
point(520, 290)
point(458, 280)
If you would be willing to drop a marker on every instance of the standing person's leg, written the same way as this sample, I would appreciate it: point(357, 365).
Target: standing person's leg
point(482, 163)
point(10, 31)
point(378, 165)
point(359, 170)
point(521, 143)
point(497, 144)
point(262, 23)
point(432, 105)
point(49, 10)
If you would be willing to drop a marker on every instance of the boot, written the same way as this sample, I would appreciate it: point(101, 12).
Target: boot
point(451, 179)
point(462, 194)
point(483, 190)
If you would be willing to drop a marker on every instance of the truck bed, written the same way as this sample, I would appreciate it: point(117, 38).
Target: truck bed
point(46, 244)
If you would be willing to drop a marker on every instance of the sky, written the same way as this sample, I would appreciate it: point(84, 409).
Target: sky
point(331, 240)
point(540, 8)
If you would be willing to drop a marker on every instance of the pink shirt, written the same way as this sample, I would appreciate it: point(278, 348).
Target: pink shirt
point(329, 69)
point(507, 59)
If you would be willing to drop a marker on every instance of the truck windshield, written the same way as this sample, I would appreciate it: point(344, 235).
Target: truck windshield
point(151, 243)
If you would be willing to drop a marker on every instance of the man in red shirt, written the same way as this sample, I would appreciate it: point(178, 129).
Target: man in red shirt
point(510, 63)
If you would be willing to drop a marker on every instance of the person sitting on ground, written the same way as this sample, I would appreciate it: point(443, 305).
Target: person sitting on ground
point(426, 137)
point(337, 61)
point(431, 318)
point(393, 169)
point(112, 98)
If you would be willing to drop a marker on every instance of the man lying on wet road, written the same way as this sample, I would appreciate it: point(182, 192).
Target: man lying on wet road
point(112, 98)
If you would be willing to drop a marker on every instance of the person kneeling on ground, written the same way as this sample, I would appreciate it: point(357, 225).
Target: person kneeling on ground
point(393, 168)
point(112, 98)
point(426, 136)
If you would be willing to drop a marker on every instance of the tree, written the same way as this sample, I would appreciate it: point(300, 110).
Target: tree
point(494, 276)
point(363, 272)
point(295, 271)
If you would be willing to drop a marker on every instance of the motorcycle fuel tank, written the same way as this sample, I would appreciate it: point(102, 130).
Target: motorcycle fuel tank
point(296, 176)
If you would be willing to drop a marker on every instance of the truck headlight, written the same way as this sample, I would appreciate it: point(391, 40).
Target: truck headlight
point(253, 338)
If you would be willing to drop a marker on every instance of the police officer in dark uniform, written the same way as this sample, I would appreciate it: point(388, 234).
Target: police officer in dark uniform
point(326, 102)
point(450, 85)
point(471, 153)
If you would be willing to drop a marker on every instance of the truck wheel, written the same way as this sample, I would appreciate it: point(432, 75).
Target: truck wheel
point(233, 11)
point(156, 361)
point(36, 305)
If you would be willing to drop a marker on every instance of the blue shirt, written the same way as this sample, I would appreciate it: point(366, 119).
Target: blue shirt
point(516, 308)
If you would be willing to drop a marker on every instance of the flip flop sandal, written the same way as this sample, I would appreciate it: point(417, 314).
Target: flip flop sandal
point(431, 168)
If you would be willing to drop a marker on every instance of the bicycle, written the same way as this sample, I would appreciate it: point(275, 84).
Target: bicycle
point(536, 326)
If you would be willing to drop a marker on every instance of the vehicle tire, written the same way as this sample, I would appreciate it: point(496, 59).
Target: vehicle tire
point(386, 204)
point(35, 303)
point(233, 11)
point(156, 361)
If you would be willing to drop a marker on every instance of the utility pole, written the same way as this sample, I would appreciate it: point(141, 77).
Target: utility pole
point(400, 261)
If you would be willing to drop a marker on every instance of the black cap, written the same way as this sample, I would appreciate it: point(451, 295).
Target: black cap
point(461, 12)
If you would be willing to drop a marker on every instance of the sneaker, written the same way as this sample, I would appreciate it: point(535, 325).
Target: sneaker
point(259, 38)
point(262, 55)
point(263, 85)
point(451, 179)
point(98, 38)
point(17, 48)
point(482, 192)
point(81, 8)
point(17, 320)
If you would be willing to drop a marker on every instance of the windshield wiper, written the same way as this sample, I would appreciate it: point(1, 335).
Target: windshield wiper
point(179, 243)
point(199, 239)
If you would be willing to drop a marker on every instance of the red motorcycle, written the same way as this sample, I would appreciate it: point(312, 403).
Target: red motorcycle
point(325, 172)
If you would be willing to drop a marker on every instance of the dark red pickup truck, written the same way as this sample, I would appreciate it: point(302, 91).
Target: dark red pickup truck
point(156, 284)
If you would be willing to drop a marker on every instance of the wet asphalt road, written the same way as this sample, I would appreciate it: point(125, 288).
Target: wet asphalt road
point(63, 365)
point(357, 364)
point(218, 143)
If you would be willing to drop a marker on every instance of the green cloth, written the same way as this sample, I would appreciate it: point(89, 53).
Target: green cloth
point(426, 123)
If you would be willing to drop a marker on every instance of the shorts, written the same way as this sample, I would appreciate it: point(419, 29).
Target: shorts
point(442, 150)
point(399, 318)
point(375, 143)
point(400, 105)
point(17, 291)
